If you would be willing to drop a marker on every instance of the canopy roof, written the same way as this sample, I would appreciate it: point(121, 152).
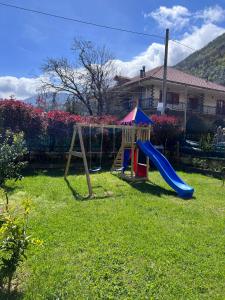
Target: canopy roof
point(136, 116)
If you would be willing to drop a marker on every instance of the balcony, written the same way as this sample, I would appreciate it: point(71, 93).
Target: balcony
point(149, 104)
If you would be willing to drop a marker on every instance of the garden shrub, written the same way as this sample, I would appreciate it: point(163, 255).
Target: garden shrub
point(206, 142)
point(12, 151)
point(14, 238)
point(196, 126)
point(48, 131)
point(19, 116)
point(166, 130)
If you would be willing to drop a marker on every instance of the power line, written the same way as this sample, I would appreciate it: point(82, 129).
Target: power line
point(90, 23)
point(179, 43)
point(80, 21)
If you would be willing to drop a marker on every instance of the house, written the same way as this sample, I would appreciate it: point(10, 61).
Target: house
point(187, 95)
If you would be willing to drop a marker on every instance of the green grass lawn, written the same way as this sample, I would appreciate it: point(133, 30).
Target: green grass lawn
point(132, 241)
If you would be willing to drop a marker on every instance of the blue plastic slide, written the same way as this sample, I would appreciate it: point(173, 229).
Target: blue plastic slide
point(166, 170)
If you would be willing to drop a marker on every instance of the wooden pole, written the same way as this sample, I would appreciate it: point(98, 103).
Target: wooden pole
point(149, 136)
point(122, 150)
point(70, 152)
point(164, 89)
point(85, 161)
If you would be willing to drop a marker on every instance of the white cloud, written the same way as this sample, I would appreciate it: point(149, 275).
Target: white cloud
point(177, 16)
point(20, 87)
point(150, 58)
point(211, 14)
point(154, 54)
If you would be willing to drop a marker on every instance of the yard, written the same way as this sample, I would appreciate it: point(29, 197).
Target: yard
point(132, 241)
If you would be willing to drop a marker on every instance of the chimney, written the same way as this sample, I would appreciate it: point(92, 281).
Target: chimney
point(143, 71)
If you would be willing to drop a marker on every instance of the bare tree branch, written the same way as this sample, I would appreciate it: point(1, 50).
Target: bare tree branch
point(88, 81)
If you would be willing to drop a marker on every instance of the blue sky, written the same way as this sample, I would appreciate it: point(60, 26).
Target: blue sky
point(28, 39)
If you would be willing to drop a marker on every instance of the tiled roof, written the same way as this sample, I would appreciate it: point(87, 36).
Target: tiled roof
point(176, 76)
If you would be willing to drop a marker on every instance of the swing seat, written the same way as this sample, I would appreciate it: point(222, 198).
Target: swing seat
point(95, 170)
point(118, 169)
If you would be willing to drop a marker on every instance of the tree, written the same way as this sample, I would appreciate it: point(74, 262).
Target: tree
point(88, 80)
point(166, 130)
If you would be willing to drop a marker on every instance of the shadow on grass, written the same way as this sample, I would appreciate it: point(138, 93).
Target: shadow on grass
point(75, 194)
point(152, 189)
point(195, 170)
point(10, 189)
point(144, 187)
point(29, 172)
point(80, 197)
point(57, 172)
point(12, 296)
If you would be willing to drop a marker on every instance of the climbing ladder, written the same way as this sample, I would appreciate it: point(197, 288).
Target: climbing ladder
point(118, 163)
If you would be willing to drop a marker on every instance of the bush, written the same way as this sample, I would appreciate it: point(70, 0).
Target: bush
point(49, 131)
point(19, 116)
point(196, 126)
point(206, 142)
point(14, 239)
point(12, 150)
point(166, 130)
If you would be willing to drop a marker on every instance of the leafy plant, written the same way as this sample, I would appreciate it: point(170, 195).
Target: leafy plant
point(43, 129)
point(200, 163)
point(206, 142)
point(166, 130)
point(12, 150)
point(14, 239)
point(221, 170)
point(19, 116)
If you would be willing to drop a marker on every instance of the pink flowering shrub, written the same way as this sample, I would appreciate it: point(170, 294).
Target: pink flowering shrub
point(19, 116)
point(166, 130)
point(53, 128)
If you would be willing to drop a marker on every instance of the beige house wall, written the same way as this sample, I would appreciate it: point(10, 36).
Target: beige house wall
point(210, 97)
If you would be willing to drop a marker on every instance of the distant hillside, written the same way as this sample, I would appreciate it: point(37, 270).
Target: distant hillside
point(208, 63)
point(60, 99)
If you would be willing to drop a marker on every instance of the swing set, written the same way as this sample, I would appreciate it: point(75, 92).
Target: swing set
point(135, 144)
point(99, 167)
point(128, 154)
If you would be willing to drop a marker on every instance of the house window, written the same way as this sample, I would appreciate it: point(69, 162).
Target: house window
point(146, 103)
point(220, 107)
point(127, 103)
point(171, 98)
point(193, 103)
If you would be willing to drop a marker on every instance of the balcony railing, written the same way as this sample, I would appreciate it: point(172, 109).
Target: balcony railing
point(150, 104)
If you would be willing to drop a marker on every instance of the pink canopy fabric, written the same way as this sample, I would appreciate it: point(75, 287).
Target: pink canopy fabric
point(136, 116)
point(130, 117)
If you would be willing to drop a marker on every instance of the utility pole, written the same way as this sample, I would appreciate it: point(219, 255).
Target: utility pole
point(164, 89)
point(185, 108)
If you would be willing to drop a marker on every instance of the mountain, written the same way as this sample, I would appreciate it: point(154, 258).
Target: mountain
point(60, 99)
point(208, 62)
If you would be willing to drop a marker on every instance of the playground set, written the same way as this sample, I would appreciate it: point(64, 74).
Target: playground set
point(135, 143)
